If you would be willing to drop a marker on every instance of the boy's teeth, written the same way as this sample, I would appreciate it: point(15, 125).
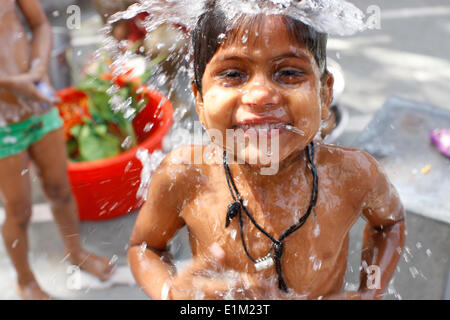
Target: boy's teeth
point(261, 126)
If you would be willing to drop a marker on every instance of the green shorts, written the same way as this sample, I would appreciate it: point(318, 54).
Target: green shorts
point(17, 137)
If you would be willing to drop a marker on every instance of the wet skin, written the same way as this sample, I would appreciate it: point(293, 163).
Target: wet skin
point(17, 75)
point(22, 63)
point(268, 79)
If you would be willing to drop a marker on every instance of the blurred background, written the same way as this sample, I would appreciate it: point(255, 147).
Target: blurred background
point(396, 88)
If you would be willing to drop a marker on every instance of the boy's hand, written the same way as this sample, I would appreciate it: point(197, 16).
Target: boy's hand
point(207, 278)
point(197, 282)
point(24, 85)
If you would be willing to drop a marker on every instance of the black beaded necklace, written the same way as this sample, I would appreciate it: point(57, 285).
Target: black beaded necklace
point(276, 250)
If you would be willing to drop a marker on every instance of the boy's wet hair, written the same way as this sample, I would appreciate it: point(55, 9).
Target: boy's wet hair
point(212, 29)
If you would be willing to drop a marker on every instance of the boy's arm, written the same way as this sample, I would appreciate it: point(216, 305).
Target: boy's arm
point(41, 45)
point(156, 224)
point(384, 235)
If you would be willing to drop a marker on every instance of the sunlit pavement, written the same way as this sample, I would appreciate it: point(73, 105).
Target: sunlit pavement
point(408, 57)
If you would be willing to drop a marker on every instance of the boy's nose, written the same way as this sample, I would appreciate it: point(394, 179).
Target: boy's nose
point(260, 94)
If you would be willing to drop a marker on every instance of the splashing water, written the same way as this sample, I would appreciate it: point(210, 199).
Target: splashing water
point(142, 249)
point(149, 164)
point(335, 17)
point(170, 21)
point(294, 129)
point(168, 39)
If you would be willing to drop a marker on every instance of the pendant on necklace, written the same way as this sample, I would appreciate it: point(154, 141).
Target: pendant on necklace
point(264, 263)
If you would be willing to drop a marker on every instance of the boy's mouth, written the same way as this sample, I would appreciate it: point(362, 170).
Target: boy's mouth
point(268, 126)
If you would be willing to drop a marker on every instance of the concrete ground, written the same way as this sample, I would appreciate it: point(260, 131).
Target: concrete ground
point(408, 57)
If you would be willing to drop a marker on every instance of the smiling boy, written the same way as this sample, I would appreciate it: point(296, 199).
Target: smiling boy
point(255, 236)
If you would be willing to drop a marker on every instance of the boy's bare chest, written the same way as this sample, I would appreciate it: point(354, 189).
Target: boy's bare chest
point(274, 208)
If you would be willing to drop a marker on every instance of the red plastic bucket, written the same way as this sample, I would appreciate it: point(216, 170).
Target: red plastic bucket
point(107, 188)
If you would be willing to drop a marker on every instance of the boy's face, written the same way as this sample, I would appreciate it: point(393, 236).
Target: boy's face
point(269, 82)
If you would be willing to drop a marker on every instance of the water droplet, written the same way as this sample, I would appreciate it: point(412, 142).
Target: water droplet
point(317, 265)
point(129, 164)
point(317, 230)
point(414, 272)
point(113, 90)
point(127, 142)
point(142, 249)
point(408, 251)
point(405, 257)
point(14, 244)
point(113, 260)
point(113, 206)
point(148, 126)
point(295, 129)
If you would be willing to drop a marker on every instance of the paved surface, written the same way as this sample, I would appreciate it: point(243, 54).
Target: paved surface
point(407, 57)
point(398, 136)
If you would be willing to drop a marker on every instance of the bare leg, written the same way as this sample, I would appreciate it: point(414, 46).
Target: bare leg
point(49, 155)
point(15, 193)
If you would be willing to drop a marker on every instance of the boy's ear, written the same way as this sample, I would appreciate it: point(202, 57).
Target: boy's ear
point(326, 95)
point(198, 101)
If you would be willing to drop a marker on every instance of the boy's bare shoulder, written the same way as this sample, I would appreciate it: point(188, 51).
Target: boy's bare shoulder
point(176, 178)
point(180, 160)
point(350, 162)
point(184, 163)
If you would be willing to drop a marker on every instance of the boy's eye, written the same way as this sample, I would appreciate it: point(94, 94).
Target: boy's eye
point(231, 74)
point(232, 77)
point(289, 76)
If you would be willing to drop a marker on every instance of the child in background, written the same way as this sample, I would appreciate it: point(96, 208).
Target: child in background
point(32, 130)
point(256, 236)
